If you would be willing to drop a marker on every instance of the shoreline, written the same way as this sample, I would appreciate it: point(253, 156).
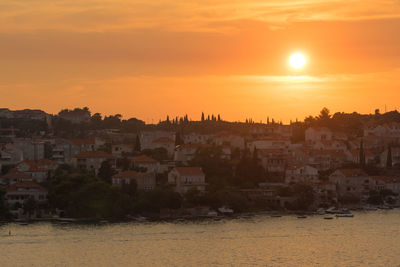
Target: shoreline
point(185, 218)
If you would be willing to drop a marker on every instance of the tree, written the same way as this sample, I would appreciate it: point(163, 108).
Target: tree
point(29, 206)
point(389, 158)
point(202, 116)
point(324, 114)
point(106, 171)
point(178, 139)
point(137, 144)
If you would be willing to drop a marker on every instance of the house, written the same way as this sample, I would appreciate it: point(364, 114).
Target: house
point(21, 191)
point(351, 182)
point(297, 174)
point(314, 134)
point(275, 142)
point(10, 154)
point(144, 181)
point(147, 163)
point(39, 170)
point(185, 178)
point(273, 160)
point(148, 137)
point(385, 182)
point(385, 130)
point(166, 143)
point(14, 176)
point(92, 160)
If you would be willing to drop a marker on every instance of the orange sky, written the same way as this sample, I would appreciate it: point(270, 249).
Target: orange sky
point(147, 59)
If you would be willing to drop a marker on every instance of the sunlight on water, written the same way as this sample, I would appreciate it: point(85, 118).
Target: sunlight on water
point(368, 239)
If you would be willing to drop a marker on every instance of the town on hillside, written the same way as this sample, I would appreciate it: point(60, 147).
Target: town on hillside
point(76, 164)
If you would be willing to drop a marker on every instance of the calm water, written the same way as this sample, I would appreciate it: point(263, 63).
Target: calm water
point(368, 239)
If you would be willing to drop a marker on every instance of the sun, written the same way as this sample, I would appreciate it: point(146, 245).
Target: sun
point(297, 60)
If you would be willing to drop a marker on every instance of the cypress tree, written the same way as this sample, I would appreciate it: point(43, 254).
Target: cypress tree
point(362, 154)
point(389, 158)
point(202, 116)
point(137, 144)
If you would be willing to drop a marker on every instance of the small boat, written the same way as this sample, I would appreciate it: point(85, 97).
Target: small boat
point(23, 223)
point(104, 221)
point(301, 217)
point(328, 218)
point(225, 210)
point(344, 215)
point(276, 216)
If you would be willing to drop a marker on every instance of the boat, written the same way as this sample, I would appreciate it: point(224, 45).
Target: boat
point(328, 218)
point(276, 216)
point(225, 210)
point(301, 217)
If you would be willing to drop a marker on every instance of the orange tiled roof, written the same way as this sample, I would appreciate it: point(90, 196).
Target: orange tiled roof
point(144, 159)
point(15, 186)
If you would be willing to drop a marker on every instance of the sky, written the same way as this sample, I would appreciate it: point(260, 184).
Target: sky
point(150, 59)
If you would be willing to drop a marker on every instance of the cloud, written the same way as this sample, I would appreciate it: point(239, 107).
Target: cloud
point(174, 15)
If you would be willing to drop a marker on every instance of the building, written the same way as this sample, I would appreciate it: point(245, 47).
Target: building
point(144, 181)
point(147, 163)
point(166, 143)
point(297, 174)
point(21, 191)
point(185, 178)
point(92, 160)
point(10, 154)
point(314, 134)
point(351, 182)
point(386, 183)
point(15, 176)
point(31, 149)
point(39, 170)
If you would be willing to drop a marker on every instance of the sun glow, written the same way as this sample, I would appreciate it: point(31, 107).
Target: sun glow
point(297, 60)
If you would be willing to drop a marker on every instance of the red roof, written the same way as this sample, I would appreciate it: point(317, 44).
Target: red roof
point(14, 173)
point(144, 159)
point(127, 174)
point(15, 186)
point(188, 171)
point(94, 155)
